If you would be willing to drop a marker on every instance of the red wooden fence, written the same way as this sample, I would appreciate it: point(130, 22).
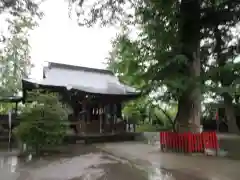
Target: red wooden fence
point(188, 142)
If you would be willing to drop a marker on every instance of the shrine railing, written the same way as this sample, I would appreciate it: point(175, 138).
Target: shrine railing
point(188, 142)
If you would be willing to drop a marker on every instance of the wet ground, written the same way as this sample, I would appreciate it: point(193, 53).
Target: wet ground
point(84, 163)
point(180, 166)
point(77, 163)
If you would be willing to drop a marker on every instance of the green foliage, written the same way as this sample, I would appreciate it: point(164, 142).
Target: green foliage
point(157, 55)
point(43, 123)
point(165, 116)
point(126, 61)
point(136, 111)
point(15, 56)
point(5, 107)
point(20, 7)
point(145, 64)
point(132, 62)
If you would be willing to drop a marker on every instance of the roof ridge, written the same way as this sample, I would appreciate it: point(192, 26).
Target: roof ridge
point(76, 67)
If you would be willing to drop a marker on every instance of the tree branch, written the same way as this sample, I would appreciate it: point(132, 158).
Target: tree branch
point(225, 12)
point(211, 19)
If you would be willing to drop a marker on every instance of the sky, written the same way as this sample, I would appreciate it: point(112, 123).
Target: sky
point(59, 39)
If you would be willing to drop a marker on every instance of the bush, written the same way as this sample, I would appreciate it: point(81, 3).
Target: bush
point(43, 123)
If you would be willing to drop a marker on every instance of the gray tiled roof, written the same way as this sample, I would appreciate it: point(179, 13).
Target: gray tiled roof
point(84, 79)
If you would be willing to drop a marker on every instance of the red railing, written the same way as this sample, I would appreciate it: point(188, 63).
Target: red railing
point(188, 142)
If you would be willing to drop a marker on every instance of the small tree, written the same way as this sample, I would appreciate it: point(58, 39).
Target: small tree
point(43, 123)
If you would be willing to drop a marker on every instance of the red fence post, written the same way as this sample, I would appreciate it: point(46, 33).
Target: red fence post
point(170, 140)
point(185, 142)
point(180, 142)
point(174, 137)
point(163, 140)
point(188, 142)
point(200, 143)
point(210, 141)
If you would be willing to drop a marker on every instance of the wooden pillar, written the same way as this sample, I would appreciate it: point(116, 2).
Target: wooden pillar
point(84, 110)
point(115, 115)
point(100, 119)
point(83, 115)
point(88, 113)
point(108, 116)
point(105, 117)
point(16, 108)
point(111, 118)
point(129, 127)
point(118, 110)
point(72, 117)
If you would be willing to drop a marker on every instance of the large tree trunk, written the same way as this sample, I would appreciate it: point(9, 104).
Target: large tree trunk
point(230, 114)
point(189, 104)
point(189, 111)
point(237, 99)
point(226, 81)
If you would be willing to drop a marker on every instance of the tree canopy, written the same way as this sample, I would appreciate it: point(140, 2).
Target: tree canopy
point(19, 18)
point(184, 51)
point(20, 7)
point(184, 48)
point(15, 56)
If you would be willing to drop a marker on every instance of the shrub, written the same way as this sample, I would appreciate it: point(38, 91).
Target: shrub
point(43, 123)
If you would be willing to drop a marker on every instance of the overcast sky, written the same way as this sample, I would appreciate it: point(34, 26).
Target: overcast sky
point(60, 39)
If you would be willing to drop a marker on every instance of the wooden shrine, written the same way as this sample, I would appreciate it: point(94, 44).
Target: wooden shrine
point(95, 95)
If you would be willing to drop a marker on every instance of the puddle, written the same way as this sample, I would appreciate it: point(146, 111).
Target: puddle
point(157, 173)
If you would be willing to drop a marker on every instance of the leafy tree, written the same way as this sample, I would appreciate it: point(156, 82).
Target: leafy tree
point(172, 32)
point(15, 56)
point(221, 69)
point(19, 7)
point(136, 110)
point(228, 74)
point(43, 123)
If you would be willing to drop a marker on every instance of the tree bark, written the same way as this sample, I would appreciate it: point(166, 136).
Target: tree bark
point(189, 104)
point(188, 117)
point(228, 105)
point(230, 114)
point(226, 81)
